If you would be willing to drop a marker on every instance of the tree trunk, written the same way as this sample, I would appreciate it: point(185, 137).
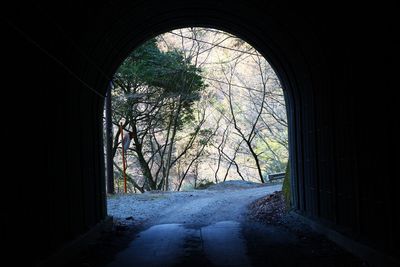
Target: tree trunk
point(109, 144)
point(175, 126)
point(149, 182)
point(255, 156)
point(196, 157)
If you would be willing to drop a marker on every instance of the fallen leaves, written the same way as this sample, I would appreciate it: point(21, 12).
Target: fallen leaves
point(269, 209)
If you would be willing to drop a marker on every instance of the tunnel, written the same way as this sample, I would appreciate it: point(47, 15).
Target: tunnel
point(335, 62)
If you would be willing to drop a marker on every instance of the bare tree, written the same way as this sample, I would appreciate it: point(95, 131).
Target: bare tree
point(248, 105)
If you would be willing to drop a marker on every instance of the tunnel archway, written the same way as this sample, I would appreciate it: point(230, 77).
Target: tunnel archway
point(130, 34)
point(322, 154)
point(292, 51)
point(320, 60)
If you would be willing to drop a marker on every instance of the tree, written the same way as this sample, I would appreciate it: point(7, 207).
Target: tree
point(154, 93)
point(252, 104)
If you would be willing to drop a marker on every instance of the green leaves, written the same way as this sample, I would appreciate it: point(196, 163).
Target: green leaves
point(167, 71)
point(160, 75)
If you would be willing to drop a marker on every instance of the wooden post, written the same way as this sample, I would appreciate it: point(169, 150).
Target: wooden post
point(123, 155)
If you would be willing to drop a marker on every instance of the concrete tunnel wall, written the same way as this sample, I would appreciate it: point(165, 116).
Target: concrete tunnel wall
point(335, 65)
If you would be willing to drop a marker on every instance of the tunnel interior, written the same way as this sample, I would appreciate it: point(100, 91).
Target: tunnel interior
point(342, 179)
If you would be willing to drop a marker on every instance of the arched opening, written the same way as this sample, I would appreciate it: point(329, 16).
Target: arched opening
point(196, 106)
point(266, 44)
point(132, 37)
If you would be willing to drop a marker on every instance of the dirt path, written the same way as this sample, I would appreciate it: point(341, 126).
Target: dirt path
point(193, 207)
point(207, 228)
point(214, 206)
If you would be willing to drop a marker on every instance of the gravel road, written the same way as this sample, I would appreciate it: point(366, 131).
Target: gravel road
point(223, 202)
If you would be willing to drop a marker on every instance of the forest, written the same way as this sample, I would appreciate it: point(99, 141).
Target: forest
point(200, 106)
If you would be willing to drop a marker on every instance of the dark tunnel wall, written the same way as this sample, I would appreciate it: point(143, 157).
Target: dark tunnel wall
point(336, 64)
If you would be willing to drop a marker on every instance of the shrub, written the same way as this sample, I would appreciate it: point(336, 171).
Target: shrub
point(204, 184)
point(286, 187)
